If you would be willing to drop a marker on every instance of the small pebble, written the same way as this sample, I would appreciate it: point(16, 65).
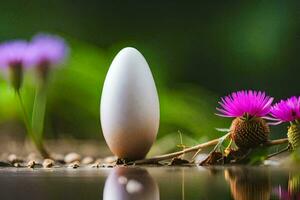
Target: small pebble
point(133, 186)
point(87, 160)
point(110, 159)
point(99, 160)
point(71, 157)
point(48, 163)
point(74, 165)
point(31, 164)
point(58, 157)
point(17, 164)
point(14, 159)
point(97, 163)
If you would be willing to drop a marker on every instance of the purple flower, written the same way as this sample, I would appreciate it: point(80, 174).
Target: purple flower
point(13, 53)
point(287, 110)
point(252, 103)
point(47, 50)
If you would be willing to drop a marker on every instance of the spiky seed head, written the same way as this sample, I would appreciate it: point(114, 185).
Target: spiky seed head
point(294, 135)
point(249, 132)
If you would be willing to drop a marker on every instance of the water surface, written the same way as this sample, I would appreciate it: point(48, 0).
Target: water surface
point(151, 183)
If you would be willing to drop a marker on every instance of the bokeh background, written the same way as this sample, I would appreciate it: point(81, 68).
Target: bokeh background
point(197, 52)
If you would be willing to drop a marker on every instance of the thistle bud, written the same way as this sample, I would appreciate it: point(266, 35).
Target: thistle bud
point(289, 111)
point(294, 136)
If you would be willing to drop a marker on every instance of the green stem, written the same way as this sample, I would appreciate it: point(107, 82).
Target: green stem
point(38, 143)
point(39, 109)
point(25, 116)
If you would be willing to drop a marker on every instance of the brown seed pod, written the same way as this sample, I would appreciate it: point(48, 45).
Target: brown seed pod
point(294, 136)
point(249, 132)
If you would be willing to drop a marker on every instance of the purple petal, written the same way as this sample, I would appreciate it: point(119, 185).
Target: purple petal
point(48, 49)
point(287, 110)
point(254, 103)
point(13, 52)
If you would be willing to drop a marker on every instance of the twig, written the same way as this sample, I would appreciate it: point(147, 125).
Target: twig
point(194, 156)
point(156, 159)
point(279, 152)
point(276, 142)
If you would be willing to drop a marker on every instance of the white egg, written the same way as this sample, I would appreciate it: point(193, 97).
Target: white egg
point(129, 106)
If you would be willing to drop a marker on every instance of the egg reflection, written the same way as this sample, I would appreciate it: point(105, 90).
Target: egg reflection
point(130, 183)
point(248, 184)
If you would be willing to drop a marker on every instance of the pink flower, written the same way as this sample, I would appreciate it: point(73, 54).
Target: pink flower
point(13, 53)
point(287, 110)
point(46, 49)
point(241, 103)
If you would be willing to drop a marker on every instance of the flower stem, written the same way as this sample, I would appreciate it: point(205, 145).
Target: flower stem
point(25, 116)
point(38, 143)
point(39, 109)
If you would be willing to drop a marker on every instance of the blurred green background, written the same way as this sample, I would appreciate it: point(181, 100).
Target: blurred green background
point(196, 51)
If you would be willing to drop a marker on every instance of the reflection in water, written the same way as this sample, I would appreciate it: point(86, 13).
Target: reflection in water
point(294, 185)
point(293, 191)
point(248, 184)
point(130, 183)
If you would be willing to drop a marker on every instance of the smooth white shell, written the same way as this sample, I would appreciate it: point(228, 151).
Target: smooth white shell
point(129, 106)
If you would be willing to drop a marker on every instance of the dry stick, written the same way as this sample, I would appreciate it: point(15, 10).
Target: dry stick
point(276, 142)
point(278, 152)
point(178, 153)
point(280, 141)
point(156, 159)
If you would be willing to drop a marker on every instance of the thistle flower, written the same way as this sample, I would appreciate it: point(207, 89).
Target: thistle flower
point(13, 57)
point(46, 51)
point(248, 129)
point(289, 111)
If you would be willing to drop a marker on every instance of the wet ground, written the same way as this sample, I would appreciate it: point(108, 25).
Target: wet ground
point(150, 183)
